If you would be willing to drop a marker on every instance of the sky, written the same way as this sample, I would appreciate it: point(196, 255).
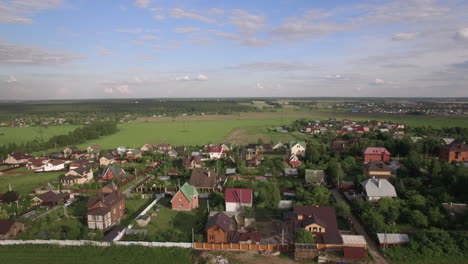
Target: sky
point(89, 49)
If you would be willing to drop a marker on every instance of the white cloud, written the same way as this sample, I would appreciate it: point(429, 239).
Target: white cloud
point(104, 51)
point(108, 90)
point(216, 11)
point(227, 35)
point(201, 77)
point(259, 86)
point(379, 81)
point(300, 29)
point(149, 37)
point(254, 42)
point(22, 11)
point(159, 16)
point(142, 3)
point(31, 55)
point(181, 30)
point(11, 79)
point(183, 78)
point(123, 89)
point(129, 30)
point(248, 23)
point(180, 13)
point(462, 34)
point(403, 36)
point(274, 66)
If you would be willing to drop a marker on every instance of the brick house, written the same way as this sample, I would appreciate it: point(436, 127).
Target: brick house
point(113, 171)
point(454, 152)
point(185, 199)
point(376, 154)
point(105, 209)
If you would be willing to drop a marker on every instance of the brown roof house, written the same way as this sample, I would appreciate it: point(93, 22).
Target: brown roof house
point(9, 229)
point(17, 158)
point(204, 180)
point(454, 152)
point(163, 147)
point(377, 169)
point(107, 160)
point(339, 146)
point(185, 199)
point(50, 198)
point(134, 154)
point(93, 151)
point(192, 162)
point(70, 150)
point(218, 228)
point(148, 147)
point(320, 221)
point(79, 175)
point(105, 209)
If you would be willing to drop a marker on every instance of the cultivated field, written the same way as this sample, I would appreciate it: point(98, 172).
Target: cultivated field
point(34, 254)
point(25, 183)
point(23, 134)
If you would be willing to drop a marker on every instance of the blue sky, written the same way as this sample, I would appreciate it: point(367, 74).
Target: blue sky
point(67, 49)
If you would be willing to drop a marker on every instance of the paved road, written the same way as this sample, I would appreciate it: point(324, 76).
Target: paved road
point(373, 248)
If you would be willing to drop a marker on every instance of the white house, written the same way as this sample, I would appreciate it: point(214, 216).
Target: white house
point(215, 152)
point(297, 148)
point(236, 198)
point(375, 189)
point(54, 165)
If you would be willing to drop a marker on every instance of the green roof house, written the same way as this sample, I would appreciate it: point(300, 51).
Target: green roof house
point(186, 198)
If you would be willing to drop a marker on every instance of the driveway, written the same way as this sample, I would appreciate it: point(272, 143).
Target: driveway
point(373, 247)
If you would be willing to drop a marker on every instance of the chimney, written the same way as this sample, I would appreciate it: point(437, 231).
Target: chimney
point(379, 182)
point(209, 174)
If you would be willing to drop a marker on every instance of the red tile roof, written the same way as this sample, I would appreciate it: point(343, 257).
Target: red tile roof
point(376, 151)
point(215, 149)
point(233, 195)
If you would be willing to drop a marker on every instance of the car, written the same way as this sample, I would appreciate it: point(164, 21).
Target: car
point(68, 203)
point(158, 208)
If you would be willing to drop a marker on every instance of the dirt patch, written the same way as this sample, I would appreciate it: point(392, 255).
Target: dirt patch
point(244, 257)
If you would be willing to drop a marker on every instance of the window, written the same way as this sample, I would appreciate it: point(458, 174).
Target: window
point(181, 205)
point(90, 217)
point(180, 199)
point(91, 225)
point(114, 210)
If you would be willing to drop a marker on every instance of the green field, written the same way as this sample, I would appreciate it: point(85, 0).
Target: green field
point(33, 254)
point(23, 134)
point(25, 183)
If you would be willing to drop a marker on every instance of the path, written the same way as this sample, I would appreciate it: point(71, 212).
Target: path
point(46, 212)
point(373, 248)
point(131, 188)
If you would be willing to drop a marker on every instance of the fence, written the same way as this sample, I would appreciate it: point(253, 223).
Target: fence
point(93, 243)
point(243, 247)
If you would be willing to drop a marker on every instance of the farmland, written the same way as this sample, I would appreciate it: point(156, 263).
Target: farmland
point(25, 183)
point(23, 134)
point(88, 254)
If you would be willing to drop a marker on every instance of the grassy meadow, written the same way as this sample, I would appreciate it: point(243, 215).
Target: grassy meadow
point(20, 135)
point(87, 254)
point(25, 183)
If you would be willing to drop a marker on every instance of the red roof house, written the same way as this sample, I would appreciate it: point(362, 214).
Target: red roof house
point(376, 154)
point(236, 198)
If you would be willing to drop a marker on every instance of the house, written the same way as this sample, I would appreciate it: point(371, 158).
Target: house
point(354, 247)
point(134, 154)
point(70, 150)
point(454, 152)
point(375, 189)
point(376, 154)
point(121, 150)
point(294, 161)
point(36, 164)
point(320, 221)
point(113, 171)
point(226, 147)
point(105, 209)
point(172, 153)
point(278, 146)
point(254, 162)
point(218, 228)
point(290, 172)
point(315, 176)
point(215, 152)
point(192, 162)
point(9, 229)
point(203, 180)
point(78, 155)
point(148, 147)
point(230, 171)
point(107, 160)
point(339, 146)
point(50, 198)
point(180, 149)
point(94, 149)
point(387, 240)
point(163, 147)
point(81, 163)
point(79, 175)
point(185, 199)
point(297, 148)
point(377, 169)
point(17, 159)
point(54, 165)
point(236, 198)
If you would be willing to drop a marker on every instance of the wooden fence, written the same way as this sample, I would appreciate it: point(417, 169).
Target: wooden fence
point(243, 247)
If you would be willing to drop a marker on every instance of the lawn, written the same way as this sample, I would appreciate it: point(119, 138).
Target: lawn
point(133, 207)
point(25, 183)
point(166, 218)
point(87, 254)
point(20, 135)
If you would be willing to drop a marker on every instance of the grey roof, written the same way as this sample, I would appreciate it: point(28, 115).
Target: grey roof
point(221, 220)
point(392, 238)
point(290, 171)
point(314, 176)
point(230, 171)
point(378, 188)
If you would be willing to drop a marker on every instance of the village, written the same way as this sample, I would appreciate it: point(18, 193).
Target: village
point(350, 191)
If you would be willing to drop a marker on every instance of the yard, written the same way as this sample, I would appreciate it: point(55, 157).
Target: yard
point(88, 254)
point(177, 222)
point(25, 183)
